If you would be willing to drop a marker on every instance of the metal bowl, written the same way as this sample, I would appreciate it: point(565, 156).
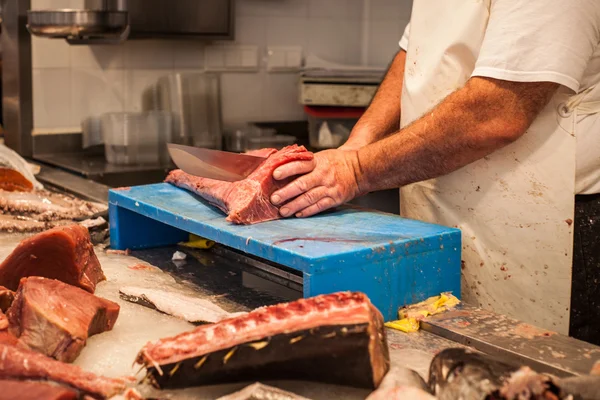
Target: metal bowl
point(77, 24)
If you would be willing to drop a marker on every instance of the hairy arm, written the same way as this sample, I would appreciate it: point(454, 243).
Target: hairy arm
point(483, 116)
point(383, 115)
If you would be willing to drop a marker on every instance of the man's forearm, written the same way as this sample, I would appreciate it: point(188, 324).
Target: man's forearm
point(469, 124)
point(383, 115)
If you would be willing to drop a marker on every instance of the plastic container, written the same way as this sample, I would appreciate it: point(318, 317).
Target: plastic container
point(137, 138)
point(330, 127)
point(275, 142)
point(193, 99)
point(91, 129)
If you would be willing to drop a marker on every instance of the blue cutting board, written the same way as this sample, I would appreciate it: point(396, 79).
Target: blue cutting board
point(395, 261)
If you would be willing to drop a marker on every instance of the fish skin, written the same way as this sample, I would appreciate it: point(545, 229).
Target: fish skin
point(258, 391)
point(403, 377)
point(458, 373)
point(583, 387)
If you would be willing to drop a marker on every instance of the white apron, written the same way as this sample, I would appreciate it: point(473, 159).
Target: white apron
point(515, 207)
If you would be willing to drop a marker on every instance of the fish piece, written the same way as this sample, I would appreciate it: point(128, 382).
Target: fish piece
point(23, 390)
point(191, 309)
point(403, 377)
point(49, 206)
point(258, 391)
point(336, 338)
point(400, 393)
point(55, 319)
point(6, 298)
point(5, 336)
point(21, 364)
point(246, 201)
point(461, 373)
point(15, 172)
point(401, 383)
point(65, 253)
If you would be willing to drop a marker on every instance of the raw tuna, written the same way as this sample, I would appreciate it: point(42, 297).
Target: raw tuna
point(56, 319)
point(6, 298)
point(64, 253)
point(15, 172)
point(336, 338)
point(21, 390)
point(246, 201)
point(20, 364)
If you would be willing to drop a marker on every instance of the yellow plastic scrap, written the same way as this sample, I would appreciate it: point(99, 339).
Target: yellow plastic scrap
point(407, 325)
point(198, 242)
point(411, 315)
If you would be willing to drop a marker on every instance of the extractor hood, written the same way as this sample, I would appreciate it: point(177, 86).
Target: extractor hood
point(113, 21)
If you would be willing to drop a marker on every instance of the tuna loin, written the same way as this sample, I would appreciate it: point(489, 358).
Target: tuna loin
point(56, 319)
point(336, 338)
point(15, 390)
point(64, 253)
point(20, 364)
point(246, 201)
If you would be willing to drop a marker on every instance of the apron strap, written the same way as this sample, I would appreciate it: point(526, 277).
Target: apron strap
point(577, 102)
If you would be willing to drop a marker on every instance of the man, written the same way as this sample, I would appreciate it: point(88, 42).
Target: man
point(488, 119)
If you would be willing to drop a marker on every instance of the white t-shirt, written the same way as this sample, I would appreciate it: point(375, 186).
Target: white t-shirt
point(554, 41)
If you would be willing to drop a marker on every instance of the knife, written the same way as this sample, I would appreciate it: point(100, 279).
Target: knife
point(213, 164)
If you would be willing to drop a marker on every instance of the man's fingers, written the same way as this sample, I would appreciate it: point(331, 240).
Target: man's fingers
point(294, 168)
point(324, 204)
point(303, 201)
point(294, 189)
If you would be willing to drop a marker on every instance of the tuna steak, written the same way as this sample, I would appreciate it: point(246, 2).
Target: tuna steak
point(64, 253)
point(56, 319)
point(336, 338)
point(246, 201)
point(20, 364)
point(21, 390)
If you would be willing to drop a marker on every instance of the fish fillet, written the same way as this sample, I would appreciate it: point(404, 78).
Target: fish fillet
point(191, 309)
point(336, 338)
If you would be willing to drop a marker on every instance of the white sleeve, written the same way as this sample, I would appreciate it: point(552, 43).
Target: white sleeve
point(404, 41)
point(540, 40)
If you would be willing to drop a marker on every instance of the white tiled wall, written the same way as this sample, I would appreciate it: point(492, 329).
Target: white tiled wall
point(71, 83)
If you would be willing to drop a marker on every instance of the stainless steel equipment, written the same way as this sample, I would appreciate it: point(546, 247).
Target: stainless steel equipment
point(79, 26)
point(17, 96)
point(214, 164)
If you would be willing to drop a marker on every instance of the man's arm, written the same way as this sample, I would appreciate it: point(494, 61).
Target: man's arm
point(484, 116)
point(383, 115)
point(478, 119)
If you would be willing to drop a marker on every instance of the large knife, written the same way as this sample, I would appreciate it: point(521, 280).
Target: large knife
point(213, 164)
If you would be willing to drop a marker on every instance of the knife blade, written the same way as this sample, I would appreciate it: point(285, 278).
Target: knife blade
point(213, 164)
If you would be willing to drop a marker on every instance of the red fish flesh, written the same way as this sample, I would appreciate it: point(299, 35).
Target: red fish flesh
point(6, 298)
point(19, 390)
point(336, 338)
point(246, 201)
point(20, 364)
point(55, 319)
point(65, 253)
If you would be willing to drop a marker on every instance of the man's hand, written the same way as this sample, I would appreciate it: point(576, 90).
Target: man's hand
point(332, 182)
